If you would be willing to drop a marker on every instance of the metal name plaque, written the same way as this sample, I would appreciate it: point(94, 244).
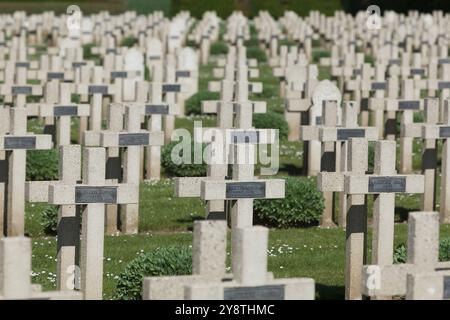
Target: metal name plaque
point(156, 109)
point(446, 287)
point(55, 75)
point(78, 64)
point(409, 105)
point(444, 85)
point(60, 111)
point(118, 74)
point(171, 88)
point(26, 143)
point(111, 50)
point(318, 120)
point(243, 190)
point(387, 184)
point(357, 72)
point(395, 61)
point(22, 64)
point(444, 61)
point(183, 74)
point(133, 139)
point(95, 194)
point(273, 292)
point(378, 85)
point(21, 90)
point(244, 137)
point(419, 72)
point(98, 89)
point(444, 132)
point(154, 57)
point(345, 134)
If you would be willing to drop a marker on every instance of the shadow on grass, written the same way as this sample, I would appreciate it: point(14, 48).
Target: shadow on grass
point(325, 292)
point(190, 219)
point(291, 169)
point(401, 214)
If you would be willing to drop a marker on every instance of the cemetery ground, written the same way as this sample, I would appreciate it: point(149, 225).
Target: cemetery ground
point(167, 221)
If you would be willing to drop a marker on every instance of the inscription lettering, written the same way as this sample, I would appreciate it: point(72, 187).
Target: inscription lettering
point(118, 74)
point(60, 111)
point(345, 134)
point(387, 184)
point(242, 190)
point(273, 292)
point(378, 85)
point(171, 88)
point(55, 75)
point(133, 139)
point(156, 109)
point(183, 74)
point(409, 105)
point(21, 90)
point(86, 194)
point(98, 89)
point(26, 143)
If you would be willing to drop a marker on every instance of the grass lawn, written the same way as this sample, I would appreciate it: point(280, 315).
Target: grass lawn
point(166, 220)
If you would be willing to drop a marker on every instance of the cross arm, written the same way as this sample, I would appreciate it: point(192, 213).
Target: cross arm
point(344, 134)
point(123, 139)
point(235, 189)
point(212, 106)
point(63, 194)
point(103, 89)
point(375, 184)
point(391, 280)
point(59, 110)
point(297, 105)
point(34, 90)
point(403, 104)
point(27, 142)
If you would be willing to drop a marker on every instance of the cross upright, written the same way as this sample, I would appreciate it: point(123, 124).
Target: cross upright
point(15, 271)
point(93, 194)
point(63, 110)
point(423, 256)
point(97, 90)
point(383, 184)
point(16, 144)
point(68, 227)
point(442, 132)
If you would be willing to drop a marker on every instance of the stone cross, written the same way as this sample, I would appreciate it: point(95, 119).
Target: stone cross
point(97, 90)
point(438, 132)
point(356, 214)
point(68, 228)
point(63, 111)
point(250, 274)
point(131, 139)
point(242, 188)
point(423, 253)
point(428, 285)
point(15, 273)
point(93, 194)
point(154, 111)
point(16, 144)
point(384, 184)
point(335, 139)
point(429, 151)
point(208, 263)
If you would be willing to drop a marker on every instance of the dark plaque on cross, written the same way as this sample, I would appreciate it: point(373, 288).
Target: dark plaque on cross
point(269, 292)
point(409, 105)
point(171, 88)
point(55, 75)
point(88, 194)
point(446, 287)
point(417, 72)
point(21, 90)
point(20, 143)
point(378, 85)
point(59, 111)
point(444, 132)
point(243, 190)
point(183, 74)
point(133, 139)
point(444, 85)
point(156, 109)
point(118, 74)
point(98, 89)
point(244, 137)
point(387, 184)
point(345, 134)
